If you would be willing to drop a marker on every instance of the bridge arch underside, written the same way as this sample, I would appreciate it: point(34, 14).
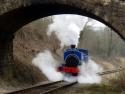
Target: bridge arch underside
point(13, 20)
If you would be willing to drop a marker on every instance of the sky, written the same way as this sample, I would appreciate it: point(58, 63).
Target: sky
point(96, 24)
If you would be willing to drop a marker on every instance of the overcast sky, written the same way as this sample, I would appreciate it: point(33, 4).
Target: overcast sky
point(96, 24)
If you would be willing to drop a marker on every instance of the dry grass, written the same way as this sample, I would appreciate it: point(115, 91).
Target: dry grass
point(28, 42)
point(91, 89)
point(27, 73)
point(119, 80)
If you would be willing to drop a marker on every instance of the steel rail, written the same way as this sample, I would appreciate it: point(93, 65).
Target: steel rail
point(43, 84)
point(58, 87)
point(110, 71)
point(49, 87)
point(43, 89)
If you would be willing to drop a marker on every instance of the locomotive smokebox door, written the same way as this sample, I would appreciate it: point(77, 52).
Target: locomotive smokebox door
point(73, 46)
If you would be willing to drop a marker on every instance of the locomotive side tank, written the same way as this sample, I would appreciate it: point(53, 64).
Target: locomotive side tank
point(73, 58)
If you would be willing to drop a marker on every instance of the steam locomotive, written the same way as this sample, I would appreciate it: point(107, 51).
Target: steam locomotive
point(73, 58)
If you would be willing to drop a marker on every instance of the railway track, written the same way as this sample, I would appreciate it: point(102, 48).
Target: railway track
point(49, 87)
point(110, 71)
point(43, 88)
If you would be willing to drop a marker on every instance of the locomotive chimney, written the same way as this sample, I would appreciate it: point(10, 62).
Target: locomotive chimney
point(73, 46)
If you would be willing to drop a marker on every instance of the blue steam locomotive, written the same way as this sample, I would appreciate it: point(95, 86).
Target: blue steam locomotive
point(73, 58)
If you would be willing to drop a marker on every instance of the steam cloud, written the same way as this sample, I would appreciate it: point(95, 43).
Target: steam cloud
point(88, 72)
point(48, 65)
point(67, 29)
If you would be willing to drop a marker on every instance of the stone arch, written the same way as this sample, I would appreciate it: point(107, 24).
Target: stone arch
point(14, 19)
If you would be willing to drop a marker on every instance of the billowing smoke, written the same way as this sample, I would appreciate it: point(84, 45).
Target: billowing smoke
point(48, 65)
point(67, 28)
point(88, 72)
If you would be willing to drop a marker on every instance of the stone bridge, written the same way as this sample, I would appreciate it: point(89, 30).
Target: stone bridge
point(14, 14)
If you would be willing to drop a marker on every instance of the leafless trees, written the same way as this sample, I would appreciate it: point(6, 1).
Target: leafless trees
point(102, 42)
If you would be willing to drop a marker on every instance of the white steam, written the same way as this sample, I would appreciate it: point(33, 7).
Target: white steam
point(67, 28)
point(48, 65)
point(88, 72)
